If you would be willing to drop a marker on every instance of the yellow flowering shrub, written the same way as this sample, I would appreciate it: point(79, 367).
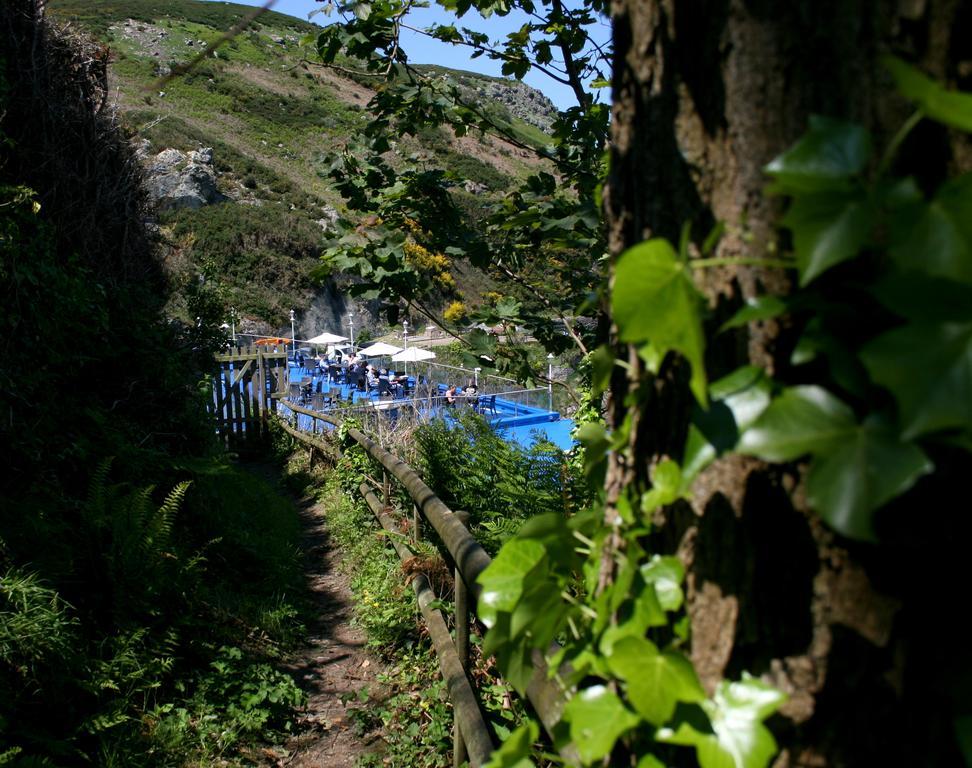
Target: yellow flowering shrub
point(455, 312)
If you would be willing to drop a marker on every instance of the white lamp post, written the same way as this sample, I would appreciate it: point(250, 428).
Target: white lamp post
point(293, 335)
point(233, 323)
point(550, 381)
point(351, 326)
point(405, 338)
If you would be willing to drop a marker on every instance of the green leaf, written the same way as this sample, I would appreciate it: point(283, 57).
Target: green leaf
point(757, 308)
point(597, 719)
point(593, 436)
point(918, 296)
point(828, 155)
point(928, 369)
point(699, 453)
point(602, 366)
point(666, 481)
point(828, 228)
point(655, 299)
point(515, 750)
point(738, 400)
point(665, 574)
point(745, 392)
point(738, 738)
point(936, 237)
point(864, 471)
point(802, 420)
point(655, 681)
point(504, 579)
point(650, 761)
point(950, 107)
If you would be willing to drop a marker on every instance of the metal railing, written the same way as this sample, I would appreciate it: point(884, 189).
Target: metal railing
point(546, 695)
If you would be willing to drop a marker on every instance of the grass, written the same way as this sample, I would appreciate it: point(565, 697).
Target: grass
point(98, 16)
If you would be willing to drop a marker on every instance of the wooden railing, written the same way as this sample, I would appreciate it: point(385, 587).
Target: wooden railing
point(469, 558)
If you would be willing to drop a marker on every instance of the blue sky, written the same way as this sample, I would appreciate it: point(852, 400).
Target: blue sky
point(423, 50)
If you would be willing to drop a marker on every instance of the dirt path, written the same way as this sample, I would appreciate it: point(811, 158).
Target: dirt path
point(334, 663)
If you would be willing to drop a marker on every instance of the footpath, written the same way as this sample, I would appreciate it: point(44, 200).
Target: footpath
point(334, 664)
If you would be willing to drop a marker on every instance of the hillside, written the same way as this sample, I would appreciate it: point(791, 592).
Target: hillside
point(250, 217)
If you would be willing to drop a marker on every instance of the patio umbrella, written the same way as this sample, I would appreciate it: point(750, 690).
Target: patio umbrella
point(379, 349)
point(326, 338)
point(413, 355)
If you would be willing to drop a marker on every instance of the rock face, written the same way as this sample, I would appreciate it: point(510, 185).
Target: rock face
point(175, 179)
point(522, 101)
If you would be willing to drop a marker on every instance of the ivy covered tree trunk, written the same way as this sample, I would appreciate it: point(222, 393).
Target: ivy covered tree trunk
point(863, 638)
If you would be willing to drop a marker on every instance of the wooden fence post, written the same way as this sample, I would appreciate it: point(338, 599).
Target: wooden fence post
point(462, 647)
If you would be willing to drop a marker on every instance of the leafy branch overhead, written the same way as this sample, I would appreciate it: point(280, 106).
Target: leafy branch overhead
point(535, 242)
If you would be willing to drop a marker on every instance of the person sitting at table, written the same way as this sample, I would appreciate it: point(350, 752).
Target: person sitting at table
point(372, 377)
point(471, 392)
point(451, 396)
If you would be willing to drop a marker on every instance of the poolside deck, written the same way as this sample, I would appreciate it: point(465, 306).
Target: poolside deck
point(517, 416)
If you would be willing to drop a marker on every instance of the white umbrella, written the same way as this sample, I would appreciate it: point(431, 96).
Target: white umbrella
point(379, 349)
point(326, 338)
point(413, 355)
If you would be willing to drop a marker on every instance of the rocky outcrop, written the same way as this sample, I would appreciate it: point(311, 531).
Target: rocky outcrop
point(521, 100)
point(177, 179)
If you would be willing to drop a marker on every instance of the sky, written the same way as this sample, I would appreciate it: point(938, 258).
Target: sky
point(423, 50)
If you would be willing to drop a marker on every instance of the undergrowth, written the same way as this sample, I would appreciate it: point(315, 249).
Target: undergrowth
point(471, 468)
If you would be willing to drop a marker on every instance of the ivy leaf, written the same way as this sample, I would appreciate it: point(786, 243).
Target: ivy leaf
point(656, 681)
point(655, 299)
point(828, 228)
point(936, 237)
point(665, 574)
point(918, 296)
point(504, 579)
point(802, 420)
point(738, 738)
point(866, 470)
point(666, 481)
point(757, 308)
point(950, 107)
point(594, 437)
point(597, 719)
point(928, 369)
point(515, 750)
point(739, 398)
point(745, 392)
point(828, 155)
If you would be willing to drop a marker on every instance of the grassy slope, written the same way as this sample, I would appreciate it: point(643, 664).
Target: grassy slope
point(271, 121)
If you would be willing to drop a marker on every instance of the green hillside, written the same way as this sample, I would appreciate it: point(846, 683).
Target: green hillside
point(272, 119)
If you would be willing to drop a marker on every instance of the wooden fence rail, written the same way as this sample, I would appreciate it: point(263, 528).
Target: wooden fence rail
point(545, 695)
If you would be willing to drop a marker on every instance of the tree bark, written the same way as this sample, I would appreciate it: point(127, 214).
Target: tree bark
point(706, 92)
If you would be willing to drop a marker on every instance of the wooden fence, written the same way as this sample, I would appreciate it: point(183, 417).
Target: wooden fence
point(247, 383)
point(472, 737)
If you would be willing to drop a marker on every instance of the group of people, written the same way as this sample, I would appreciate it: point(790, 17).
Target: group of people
point(470, 394)
point(355, 367)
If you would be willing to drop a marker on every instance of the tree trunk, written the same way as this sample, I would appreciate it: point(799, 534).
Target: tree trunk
point(705, 94)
